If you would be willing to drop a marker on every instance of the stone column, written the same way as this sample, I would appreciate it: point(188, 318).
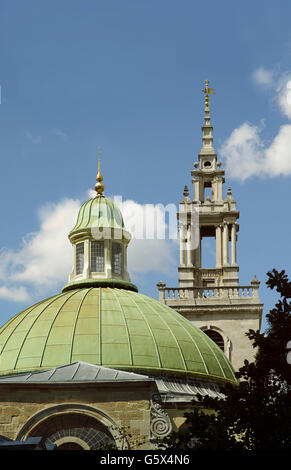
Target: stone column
point(255, 285)
point(126, 274)
point(215, 189)
point(73, 273)
point(218, 245)
point(183, 252)
point(189, 251)
point(108, 258)
point(192, 257)
point(219, 188)
point(233, 245)
point(198, 255)
point(183, 234)
point(161, 288)
point(196, 189)
point(87, 255)
point(225, 245)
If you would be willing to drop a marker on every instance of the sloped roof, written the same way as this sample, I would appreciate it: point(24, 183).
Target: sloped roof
point(170, 389)
point(99, 212)
point(77, 372)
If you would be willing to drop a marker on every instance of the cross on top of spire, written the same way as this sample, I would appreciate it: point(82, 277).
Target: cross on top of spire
point(207, 92)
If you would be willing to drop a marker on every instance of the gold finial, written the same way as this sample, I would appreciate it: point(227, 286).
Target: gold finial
point(99, 187)
point(207, 92)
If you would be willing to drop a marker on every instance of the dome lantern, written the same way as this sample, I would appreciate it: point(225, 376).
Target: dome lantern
point(100, 241)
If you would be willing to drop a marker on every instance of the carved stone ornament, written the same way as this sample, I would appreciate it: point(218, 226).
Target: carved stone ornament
point(160, 423)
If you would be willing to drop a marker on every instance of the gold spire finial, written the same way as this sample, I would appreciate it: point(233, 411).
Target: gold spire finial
point(207, 92)
point(99, 187)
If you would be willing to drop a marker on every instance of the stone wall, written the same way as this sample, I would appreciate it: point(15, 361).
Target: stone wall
point(26, 409)
point(233, 328)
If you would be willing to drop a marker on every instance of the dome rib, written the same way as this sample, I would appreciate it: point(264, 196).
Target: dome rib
point(152, 338)
point(194, 342)
point(176, 341)
point(90, 211)
point(206, 368)
point(80, 216)
point(11, 321)
point(209, 345)
point(126, 327)
point(76, 320)
point(98, 212)
point(213, 352)
point(21, 320)
point(150, 330)
point(29, 329)
point(52, 324)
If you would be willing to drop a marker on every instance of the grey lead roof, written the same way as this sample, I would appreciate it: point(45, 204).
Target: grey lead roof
point(76, 372)
point(170, 389)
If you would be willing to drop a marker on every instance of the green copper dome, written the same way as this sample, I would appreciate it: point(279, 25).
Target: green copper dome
point(112, 327)
point(98, 212)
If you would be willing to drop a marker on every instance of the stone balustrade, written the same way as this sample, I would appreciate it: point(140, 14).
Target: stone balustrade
point(208, 293)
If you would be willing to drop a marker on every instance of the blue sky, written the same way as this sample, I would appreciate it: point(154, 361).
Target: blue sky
point(127, 75)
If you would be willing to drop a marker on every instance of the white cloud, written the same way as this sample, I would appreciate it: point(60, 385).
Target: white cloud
point(247, 155)
point(35, 139)
point(59, 133)
point(44, 260)
point(91, 193)
point(245, 152)
point(150, 248)
point(263, 76)
point(16, 294)
point(284, 95)
point(279, 84)
point(278, 154)
point(151, 255)
point(45, 257)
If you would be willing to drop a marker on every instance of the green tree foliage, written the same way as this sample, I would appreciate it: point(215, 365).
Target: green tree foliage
point(256, 414)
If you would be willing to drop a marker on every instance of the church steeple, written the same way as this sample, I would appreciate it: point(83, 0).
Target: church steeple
point(217, 216)
point(207, 129)
point(211, 296)
point(207, 172)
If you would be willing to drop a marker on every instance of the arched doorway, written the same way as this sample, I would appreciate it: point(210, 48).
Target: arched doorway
point(72, 430)
point(70, 446)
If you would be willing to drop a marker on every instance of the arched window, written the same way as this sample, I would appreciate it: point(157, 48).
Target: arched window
point(74, 431)
point(216, 338)
point(97, 256)
point(79, 258)
point(116, 258)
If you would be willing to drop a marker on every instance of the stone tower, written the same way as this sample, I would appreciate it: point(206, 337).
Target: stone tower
point(212, 297)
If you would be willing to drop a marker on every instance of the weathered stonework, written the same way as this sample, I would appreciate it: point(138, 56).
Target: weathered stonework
point(161, 425)
point(212, 297)
point(120, 412)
